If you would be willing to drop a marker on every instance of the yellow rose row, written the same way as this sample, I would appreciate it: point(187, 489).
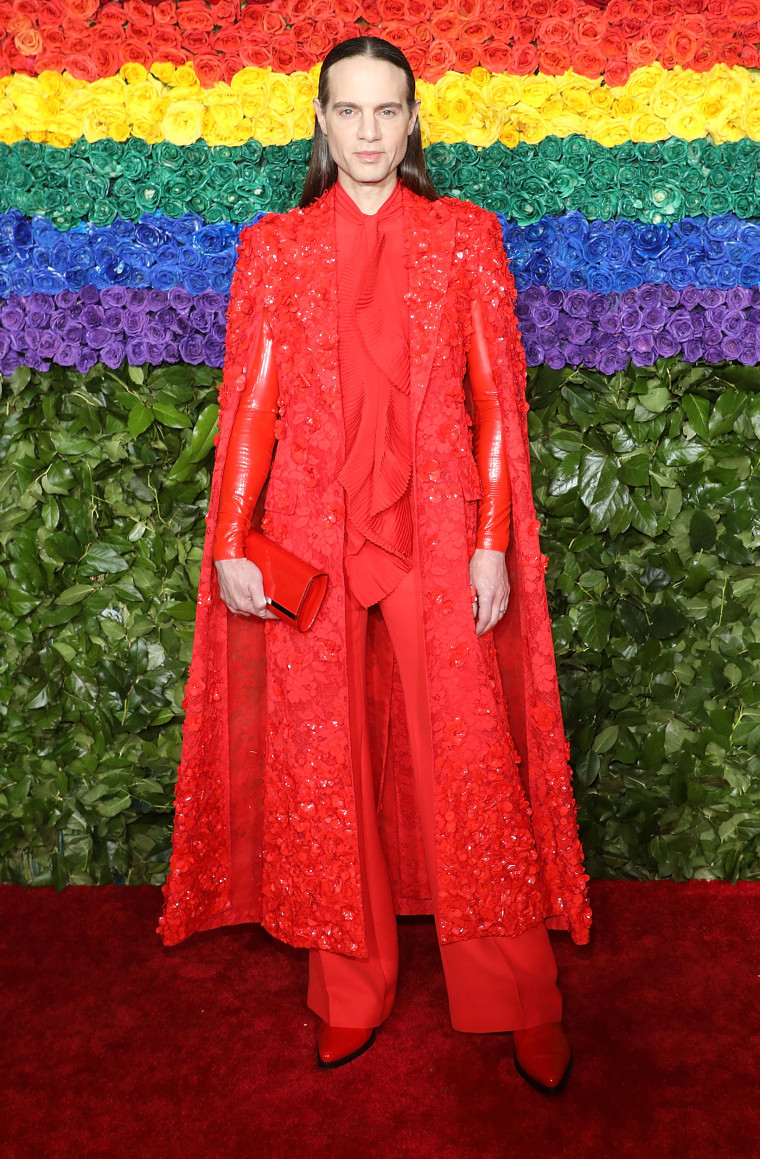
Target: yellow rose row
point(169, 104)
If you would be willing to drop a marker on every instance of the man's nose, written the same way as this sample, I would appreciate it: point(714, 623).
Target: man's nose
point(368, 127)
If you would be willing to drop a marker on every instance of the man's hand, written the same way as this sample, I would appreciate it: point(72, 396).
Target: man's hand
point(488, 575)
point(242, 588)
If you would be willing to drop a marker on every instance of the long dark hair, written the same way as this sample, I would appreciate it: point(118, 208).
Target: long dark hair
point(323, 172)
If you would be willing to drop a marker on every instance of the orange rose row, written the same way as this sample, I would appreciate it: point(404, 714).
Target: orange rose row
point(90, 39)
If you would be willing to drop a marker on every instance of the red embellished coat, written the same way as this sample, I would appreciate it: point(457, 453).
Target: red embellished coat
point(266, 826)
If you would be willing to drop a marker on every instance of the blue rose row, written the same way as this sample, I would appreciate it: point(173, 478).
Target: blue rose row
point(565, 252)
point(559, 327)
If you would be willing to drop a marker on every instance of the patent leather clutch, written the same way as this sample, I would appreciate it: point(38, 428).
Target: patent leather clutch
point(293, 588)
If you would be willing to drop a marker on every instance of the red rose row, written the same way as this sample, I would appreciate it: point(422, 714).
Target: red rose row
point(90, 39)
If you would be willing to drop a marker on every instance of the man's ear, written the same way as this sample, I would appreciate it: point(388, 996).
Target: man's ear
point(319, 113)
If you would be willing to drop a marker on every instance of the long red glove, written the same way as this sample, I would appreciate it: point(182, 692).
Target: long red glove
point(489, 449)
point(250, 451)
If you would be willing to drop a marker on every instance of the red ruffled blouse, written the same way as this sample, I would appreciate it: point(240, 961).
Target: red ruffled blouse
point(373, 359)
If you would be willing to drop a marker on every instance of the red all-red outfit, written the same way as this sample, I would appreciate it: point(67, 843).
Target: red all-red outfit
point(333, 778)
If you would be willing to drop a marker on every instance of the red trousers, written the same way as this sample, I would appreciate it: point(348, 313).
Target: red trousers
point(493, 983)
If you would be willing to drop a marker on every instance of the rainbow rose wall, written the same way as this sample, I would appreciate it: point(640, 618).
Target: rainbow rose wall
point(619, 145)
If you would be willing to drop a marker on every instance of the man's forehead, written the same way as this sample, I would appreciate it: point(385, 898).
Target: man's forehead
point(366, 81)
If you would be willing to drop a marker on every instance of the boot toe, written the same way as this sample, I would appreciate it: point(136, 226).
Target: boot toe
point(337, 1045)
point(543, 1056)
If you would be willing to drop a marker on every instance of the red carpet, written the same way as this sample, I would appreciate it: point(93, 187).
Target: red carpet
point(114, 1046)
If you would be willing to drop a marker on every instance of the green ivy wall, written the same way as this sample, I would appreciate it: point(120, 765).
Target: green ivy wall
point(648, 493)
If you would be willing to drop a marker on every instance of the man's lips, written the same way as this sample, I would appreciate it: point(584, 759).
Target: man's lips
point(368, 156)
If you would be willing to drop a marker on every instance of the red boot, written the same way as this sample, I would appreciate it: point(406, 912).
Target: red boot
point(543, 1056)
point(337, 1045)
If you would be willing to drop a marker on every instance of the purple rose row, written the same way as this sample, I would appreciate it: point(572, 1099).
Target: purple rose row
point(88, 326)
point(559, 327)
point(606, 331)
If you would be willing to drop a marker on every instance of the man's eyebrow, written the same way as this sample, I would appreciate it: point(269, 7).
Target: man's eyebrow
point(351, 105)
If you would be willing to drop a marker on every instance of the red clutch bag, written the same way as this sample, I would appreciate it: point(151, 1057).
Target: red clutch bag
point(294, 589)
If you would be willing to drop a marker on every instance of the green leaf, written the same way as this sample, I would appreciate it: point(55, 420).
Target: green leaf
point(656, 400)
point(606, 739)
point(140, 418)
point(698, 412)
point(101, 558)
point(204, 433)
point(170, 416)
point(702, 533)
point(74, 595)
point(593, 625)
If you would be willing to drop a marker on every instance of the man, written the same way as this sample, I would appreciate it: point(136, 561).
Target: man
point(335, 777)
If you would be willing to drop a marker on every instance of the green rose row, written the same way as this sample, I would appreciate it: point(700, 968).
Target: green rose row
point(663, 181)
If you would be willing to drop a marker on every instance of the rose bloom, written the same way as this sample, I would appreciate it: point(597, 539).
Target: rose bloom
point(445, 26)
point(194, 15)
point(231, 64)
point(84, 9)
point(141, 32)
point(391, 9)
point(183, 122)
point(164, 36)
point(617, 72)
point(589, 61)
point(347, 10)
point(262, 20)
point(525, 31)
point(195, 41)
point(319, 44)
point(475, 30)
point(332, 27)
point(138, 10)
point(165, 12)
point(503, 25)
point(524, 59)
point(466, 57)
point(399, 34)
point(540, 9)
point(590, 29)
point(322, 10)
point(256, 53)
point(554, 31)
point(224, 11)
point(49, 14)
point(110, 15)
point(730, 52)
point(81, 66)
point(28, 42)
point(554, 59)
point(284, 50)
point(107, 59)
point(745, 11)
point(495, 55)
point(641, 53)
point(228, 39)
point(440, 58)
point(417, 57)
point(705, 55)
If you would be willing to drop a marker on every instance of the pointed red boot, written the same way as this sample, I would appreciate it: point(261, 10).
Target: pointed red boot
point(543, 1056)
point(337, 1045)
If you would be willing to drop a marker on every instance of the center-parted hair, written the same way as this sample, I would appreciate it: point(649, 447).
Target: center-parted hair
point(322, 171)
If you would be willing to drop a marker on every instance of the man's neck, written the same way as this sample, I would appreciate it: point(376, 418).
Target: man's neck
point(369, 196)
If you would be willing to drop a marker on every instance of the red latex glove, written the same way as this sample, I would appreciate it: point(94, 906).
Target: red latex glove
point(250, 450)
point(489, 449)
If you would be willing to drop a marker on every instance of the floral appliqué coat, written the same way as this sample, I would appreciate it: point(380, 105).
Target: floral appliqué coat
point(266, 827)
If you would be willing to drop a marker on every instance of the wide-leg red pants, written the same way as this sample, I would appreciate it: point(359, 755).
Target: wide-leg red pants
point(493, 983)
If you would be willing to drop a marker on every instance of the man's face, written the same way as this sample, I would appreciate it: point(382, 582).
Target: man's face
point(366, 120)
